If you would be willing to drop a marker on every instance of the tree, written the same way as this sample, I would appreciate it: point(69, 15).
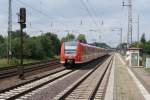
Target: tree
point(81, 38)
point(146, 48)
point(55, 43)
point(2, 39)
point(145, 45)
point(3, 50)
point(16, 34)
point(135, 45)
point(46, 45)
point(34, 48)
point(63, 39)
point(15, 47)
point(143, 40)
point(69, 37)
point(38, 47)
point(51, 44)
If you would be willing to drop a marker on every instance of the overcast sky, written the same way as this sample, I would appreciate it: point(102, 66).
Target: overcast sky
point(60, 16)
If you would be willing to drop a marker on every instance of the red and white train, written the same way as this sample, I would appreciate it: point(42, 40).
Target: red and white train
point(74, 52)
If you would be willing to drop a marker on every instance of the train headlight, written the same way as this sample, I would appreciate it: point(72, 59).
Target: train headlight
point(69, 61)
point(78, 57)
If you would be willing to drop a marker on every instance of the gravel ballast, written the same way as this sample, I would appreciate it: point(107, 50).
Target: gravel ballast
point(50, 92)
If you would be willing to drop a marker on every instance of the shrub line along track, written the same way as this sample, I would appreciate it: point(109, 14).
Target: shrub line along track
point(90, 86)
point(18, 91)
point(13, 70)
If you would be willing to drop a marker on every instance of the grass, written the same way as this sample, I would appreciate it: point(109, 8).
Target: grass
point(56, 58)
point(14, 61)
point(3, 62)
point(147, 70)
point(26, 61)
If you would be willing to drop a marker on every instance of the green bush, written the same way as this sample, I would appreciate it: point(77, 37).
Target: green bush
point(14, 61)
point(41, 47)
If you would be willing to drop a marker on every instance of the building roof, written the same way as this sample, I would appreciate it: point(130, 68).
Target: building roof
point(134, 48)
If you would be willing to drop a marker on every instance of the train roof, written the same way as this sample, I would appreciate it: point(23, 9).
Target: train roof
point(88, 45)
point(70, 43)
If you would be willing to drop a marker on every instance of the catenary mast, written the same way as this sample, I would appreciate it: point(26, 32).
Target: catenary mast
point(9, 30)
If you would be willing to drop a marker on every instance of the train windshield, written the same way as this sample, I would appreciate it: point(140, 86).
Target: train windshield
point(70, 48)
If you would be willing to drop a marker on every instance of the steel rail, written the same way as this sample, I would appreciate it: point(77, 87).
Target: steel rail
point(31, 86)
point(13, 70)
point(70, 89)
point(104, 78)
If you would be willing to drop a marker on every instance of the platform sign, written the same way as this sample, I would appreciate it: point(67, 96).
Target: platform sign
point(147, 62)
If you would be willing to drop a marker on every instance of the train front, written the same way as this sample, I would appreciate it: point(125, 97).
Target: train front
point(70, 54)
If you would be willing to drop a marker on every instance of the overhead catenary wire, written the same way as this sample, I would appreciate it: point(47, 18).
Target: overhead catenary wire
point(48, 16)
point(95, 15)
point(18, 5)
point(89, 13)
point(40, 12)
point(92, 10)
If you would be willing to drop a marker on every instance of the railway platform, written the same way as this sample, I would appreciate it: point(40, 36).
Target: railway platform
point(122, 84)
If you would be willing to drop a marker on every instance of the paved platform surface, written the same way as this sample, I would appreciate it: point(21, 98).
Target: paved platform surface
point(143, 76)
point(124, 87)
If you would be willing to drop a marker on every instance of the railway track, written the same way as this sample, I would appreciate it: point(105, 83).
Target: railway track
point(17, 91)
point(24, 91)
point(13, 70)
point(91, 86)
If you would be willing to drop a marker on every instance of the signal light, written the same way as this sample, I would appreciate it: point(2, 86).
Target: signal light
point(22, 15)
point(23, 25)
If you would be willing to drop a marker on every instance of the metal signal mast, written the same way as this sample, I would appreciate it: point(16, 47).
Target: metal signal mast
point(129, 35)
point(9, 30)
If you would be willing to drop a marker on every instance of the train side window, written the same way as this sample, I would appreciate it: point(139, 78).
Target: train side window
point(85, 50)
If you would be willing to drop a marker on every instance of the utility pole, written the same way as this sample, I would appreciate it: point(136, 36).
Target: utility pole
point(138, 31)
point(130, 21)
point(138, 26)
point(121, 35)
point(129, 35)
point(99, 38)
point(9, 31)
point(52, 24)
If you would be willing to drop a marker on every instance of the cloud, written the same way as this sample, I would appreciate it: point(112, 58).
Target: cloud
point(67, 15)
